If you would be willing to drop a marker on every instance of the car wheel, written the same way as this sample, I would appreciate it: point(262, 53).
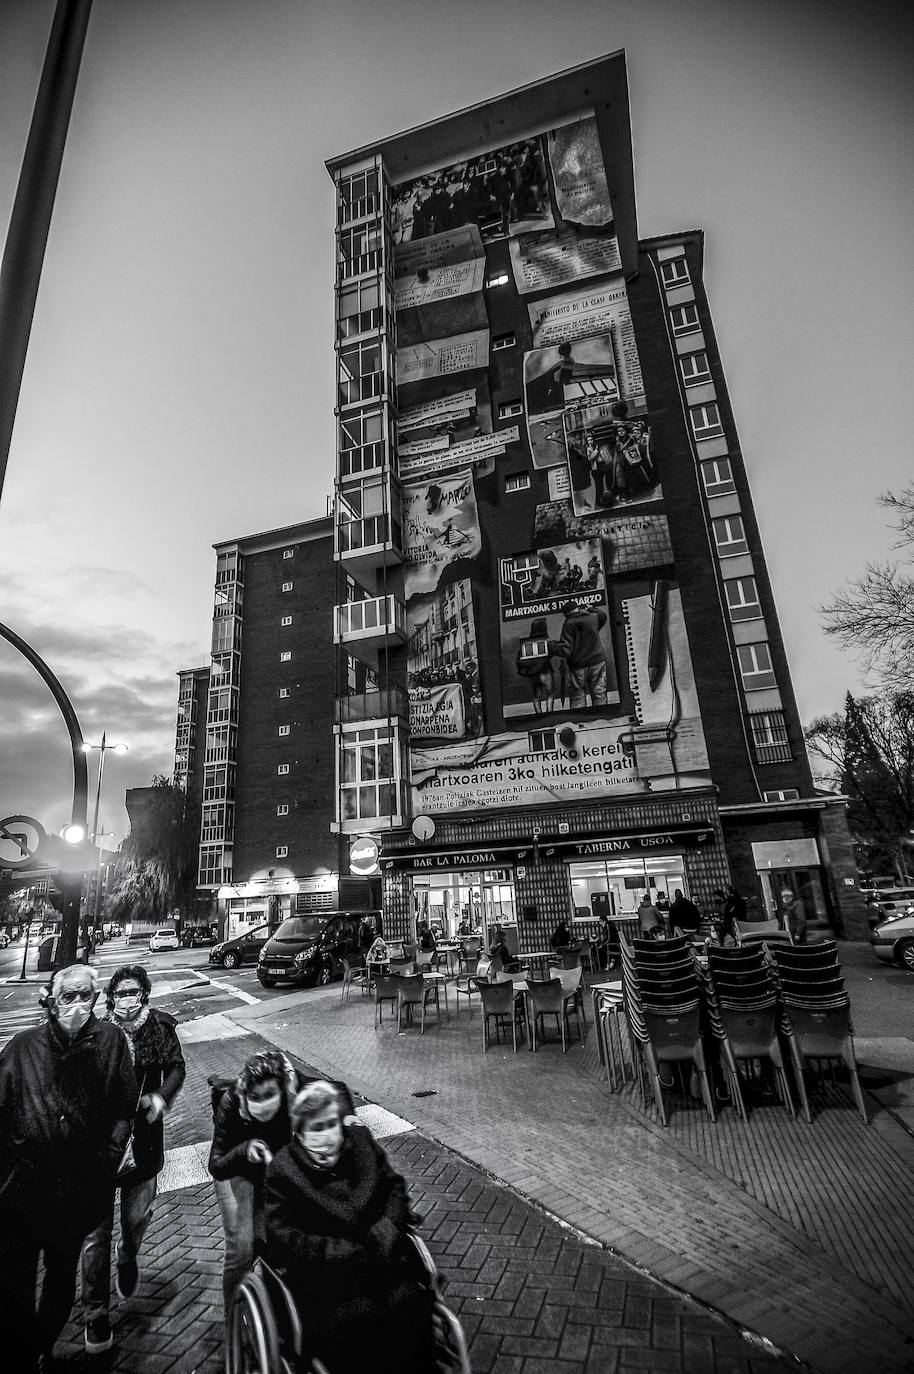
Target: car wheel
point(325, 976)
point(230, 960)
point(905, 954)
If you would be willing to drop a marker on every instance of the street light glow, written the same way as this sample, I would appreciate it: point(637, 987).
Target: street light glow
point(74, 834)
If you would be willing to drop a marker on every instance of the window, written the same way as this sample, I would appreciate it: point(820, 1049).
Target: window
point(283, 692)
point(359, 308)
point(717, 475)
point(674, 272)
point(287, 586)
point(282, 851)
point(359, 195)
point(499, 279)
point(706, 422)
point(286, 620)
point(755, 666)
point(282, 769)
point(729, 535)
point(509, 409)
point(785, 794)
point(282, 809)
point(684, 319)
point(695, 369)
point(285, 656)
point(285, 729)
point(288, 553)
point(360, 372)
point(367, 774)
point(769, 737)
point(742, 598)
point(517, 481)
point(542, 741)
point(360, 250)
point(501, 341)
point(361, 443)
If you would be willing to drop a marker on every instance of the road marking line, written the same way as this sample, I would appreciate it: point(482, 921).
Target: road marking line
point(236, 992)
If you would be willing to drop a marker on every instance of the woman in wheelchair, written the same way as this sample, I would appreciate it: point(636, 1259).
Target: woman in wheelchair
point(337, 1227)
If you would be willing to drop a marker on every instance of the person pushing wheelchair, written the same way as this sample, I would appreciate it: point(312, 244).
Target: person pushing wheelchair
point(337, 1220)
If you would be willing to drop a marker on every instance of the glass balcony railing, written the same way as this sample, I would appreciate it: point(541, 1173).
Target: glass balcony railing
point(381, 617)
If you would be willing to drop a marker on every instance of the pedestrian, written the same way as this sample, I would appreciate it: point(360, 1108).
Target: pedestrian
point(366, 937)
point(68, 1096)
point(794, 915)
point(580, 644)
point(251, 1123)
point(650, 922)
point(684, 914)
point(158, 1064)
point(734, 910)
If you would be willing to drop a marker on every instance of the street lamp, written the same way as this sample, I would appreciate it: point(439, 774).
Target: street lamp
point(103, 749)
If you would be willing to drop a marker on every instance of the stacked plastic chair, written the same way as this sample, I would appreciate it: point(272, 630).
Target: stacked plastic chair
point(758, 932)
point(663, 1005)
point(816, 1012)
point(744, 1015)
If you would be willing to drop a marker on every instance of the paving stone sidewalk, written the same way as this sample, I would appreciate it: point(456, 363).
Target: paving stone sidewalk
point(534, 1296)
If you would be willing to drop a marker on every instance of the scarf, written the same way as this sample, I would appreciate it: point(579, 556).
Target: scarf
point(146, 1038)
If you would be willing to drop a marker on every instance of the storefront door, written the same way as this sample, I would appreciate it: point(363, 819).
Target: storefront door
point(805, 882)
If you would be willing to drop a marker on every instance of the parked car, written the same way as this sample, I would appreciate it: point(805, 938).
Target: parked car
point(893, 939)
point(243, 949)
point(4, 939)
point(166, 938)
point(309, 949)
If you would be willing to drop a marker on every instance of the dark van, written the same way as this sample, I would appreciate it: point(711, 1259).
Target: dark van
point(309, 949)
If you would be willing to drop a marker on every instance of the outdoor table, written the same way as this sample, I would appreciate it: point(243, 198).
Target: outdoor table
point(449, 953)
point(539, 958)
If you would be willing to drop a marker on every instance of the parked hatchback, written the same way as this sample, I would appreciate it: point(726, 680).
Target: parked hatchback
point(243, 949)
point(894, 939)
point(167, 938)
point(309, 949)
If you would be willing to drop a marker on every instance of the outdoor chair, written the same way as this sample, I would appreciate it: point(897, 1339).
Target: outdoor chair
point(424, 958)
point(673, 1036)
point(572, 982)
point(353, 977)
point(769, 931)
point(386, 989)
point(609, 1014)
point(816, 1014)
point(750, 1034)
point(470, 951)
point(548, 999)
point(416, 992)
point(465, 982)
point(499, 1006)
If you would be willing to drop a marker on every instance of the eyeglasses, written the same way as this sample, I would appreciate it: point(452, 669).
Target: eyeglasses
point(127, 992)
point(71, 995)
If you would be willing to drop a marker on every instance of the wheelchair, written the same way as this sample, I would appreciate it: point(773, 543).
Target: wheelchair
point(265, 1333)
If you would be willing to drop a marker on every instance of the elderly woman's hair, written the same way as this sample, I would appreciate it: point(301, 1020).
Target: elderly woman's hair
point(133, 972)
point(312, 1099)
point(60, 977)
point(261, 1068)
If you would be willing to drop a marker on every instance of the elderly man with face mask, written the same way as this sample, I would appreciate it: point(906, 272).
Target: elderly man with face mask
point(159, 1067)
point(67, 1098)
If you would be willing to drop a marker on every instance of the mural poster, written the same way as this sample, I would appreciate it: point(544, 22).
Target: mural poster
point(630, 543)
point(540, 261)
point(579, 174)
point(562, 375)
point(440, 526)
point(610, 458)
point(441, 357)
point(445, 702)
point(503, 192)
point(556, 635)
point(584, 313)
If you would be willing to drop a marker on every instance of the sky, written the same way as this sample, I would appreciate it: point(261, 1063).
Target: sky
point(178, 389)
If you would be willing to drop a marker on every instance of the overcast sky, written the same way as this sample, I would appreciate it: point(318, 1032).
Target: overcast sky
point(179, 383)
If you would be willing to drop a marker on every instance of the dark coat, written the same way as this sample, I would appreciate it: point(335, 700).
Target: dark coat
point(228, 1157)
point(66, 1108)
point(580, 641)
point(159, 1068)
point(685, 915)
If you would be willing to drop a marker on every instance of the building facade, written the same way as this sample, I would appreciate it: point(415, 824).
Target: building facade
point(563, 680)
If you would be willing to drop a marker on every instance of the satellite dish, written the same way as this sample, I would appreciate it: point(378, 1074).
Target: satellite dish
point(423, 827)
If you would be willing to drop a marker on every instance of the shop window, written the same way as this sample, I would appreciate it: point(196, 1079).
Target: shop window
point(755, 666)
point(674, 272)
point(742, 598)
point(684, 319)
point(729, 536)
point(717, 475)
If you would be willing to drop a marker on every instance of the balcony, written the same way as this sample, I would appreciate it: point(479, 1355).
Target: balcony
point(371, 624)
point(366, 706)
point(773, 753)
point(364, 545)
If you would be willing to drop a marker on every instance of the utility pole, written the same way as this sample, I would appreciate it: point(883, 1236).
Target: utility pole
point(30, 222)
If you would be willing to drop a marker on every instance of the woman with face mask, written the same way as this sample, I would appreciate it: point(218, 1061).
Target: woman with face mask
point(337, 1217)
point(158, 1064)
point(251, 1123)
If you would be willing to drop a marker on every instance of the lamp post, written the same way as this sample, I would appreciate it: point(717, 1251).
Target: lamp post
point(103, 749)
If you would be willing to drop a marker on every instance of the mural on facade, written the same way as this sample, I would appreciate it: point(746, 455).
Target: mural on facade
point(630, 542)
point(556, 636)
point(503, 192)
point(440, 526)
point(568, 374)
point(610, 457)
point(445, 702)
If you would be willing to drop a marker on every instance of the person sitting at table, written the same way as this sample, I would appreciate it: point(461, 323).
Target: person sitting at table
point(684, 914)
point(561, 936)
point(378, 954)
point(427, 942)
point(498, 950)
point(650, 922)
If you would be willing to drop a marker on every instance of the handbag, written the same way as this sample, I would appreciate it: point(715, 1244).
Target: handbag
point(128, 1159)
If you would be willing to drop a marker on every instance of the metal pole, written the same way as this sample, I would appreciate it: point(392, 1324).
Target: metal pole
point(30, 221)
point(25, 952)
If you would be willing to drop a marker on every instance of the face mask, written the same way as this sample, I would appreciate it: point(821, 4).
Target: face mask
point(126, 1008)
point(265, 1109)
point(323, 1146)
point(74, 1016)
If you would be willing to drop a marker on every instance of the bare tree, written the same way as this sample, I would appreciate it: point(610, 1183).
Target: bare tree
point(875, 613)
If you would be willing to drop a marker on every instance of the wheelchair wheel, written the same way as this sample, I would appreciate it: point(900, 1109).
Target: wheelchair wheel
point(451, 1354)
point(252, 1339)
